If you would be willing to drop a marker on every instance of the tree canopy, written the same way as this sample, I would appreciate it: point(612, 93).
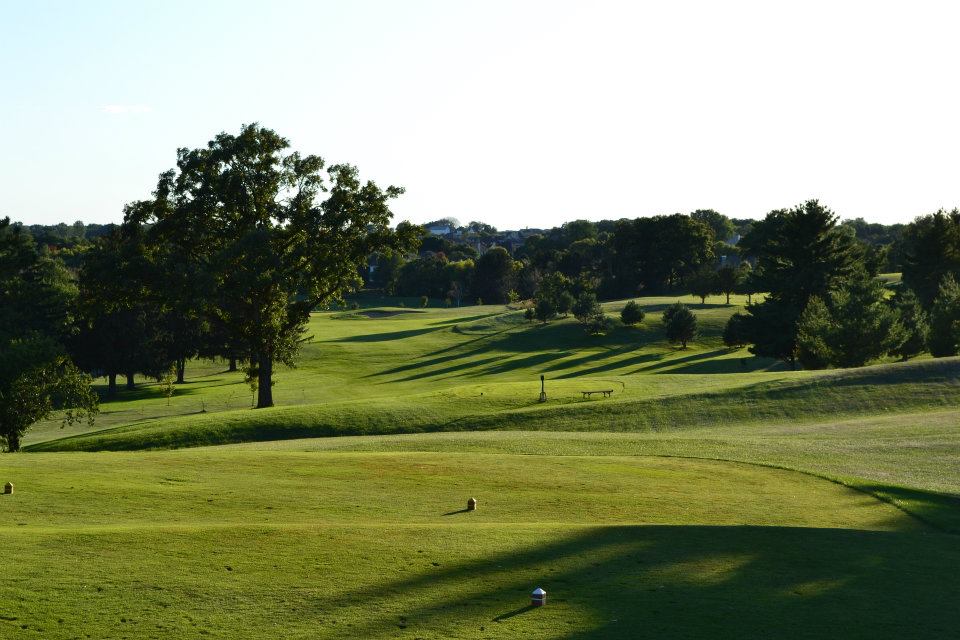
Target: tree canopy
point(248, 213)
point(36, 378)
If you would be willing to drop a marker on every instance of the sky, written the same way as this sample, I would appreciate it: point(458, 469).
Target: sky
point(518, 113)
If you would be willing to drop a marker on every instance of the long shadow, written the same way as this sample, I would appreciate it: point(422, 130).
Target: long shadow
point(690, 582)
point(152, 391)
point(668, 362)
point(513, 364)
point(515, 612)
point(610, 366)
point(469, 364)
point(387, 336)
point(427, 363)
point(732, 365)
point(590, 357)
point(462, 320)
point(461, 345)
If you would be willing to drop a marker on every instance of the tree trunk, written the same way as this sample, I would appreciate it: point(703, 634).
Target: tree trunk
point(112, 384)
point(181, 369)
point(264, 381)
point(728, 298)
point(13, 442)
point(233, 364)
point(130, 383)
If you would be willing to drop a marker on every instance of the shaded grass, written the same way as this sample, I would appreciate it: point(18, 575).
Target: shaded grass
point(235, 542)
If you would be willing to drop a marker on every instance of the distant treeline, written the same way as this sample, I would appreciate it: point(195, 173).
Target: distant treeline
point(620, 258)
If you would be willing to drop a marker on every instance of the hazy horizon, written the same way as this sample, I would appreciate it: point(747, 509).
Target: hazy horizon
point(515, 114)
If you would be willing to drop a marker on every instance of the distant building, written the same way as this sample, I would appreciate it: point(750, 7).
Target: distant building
point(439, 230)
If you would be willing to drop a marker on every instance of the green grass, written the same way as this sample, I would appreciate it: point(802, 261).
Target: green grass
point(392, 370)
point(235, 542)
point(714, 495)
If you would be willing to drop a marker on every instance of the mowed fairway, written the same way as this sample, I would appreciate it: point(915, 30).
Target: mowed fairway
point(244, 543)
point(714, 495)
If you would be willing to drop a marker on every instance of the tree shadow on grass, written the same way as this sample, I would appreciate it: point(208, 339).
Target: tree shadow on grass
point(462, 320)
point(387, 336)
point(686, 581)
point(732, 365)
point(152, 391)
point(512, 364)
point(460, 366)
point(693, 357)
point(611, 366)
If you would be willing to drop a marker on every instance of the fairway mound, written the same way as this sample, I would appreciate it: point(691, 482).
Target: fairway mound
point(373, 314)
point(881, 389)
point(385, 313)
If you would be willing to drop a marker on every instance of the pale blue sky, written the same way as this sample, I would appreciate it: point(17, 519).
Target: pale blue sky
point(518, 113)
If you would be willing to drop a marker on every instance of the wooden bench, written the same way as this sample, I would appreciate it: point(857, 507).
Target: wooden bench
point(606, 393)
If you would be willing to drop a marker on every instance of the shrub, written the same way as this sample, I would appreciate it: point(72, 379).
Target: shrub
point(680, 324)
point(545, 310)
point(424, 301)
point(565, 302)
point(631, 314)
point(735, 332)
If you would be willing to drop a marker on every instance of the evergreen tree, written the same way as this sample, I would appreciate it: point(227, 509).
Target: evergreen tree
point(914, 321)
point(631, 313)
point(944, 337)
point(734, 332)
point(800, 254)
point(930, 248)
point(545, 309)
point(854, 326)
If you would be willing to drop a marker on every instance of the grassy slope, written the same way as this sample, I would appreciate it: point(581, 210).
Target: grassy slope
point(478, 369)
point(316, 544)
point(362, 536)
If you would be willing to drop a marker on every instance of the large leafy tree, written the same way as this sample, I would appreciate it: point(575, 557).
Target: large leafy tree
point(248, 212)
point(494, 276)
point(729, 279)
point(800, 253)
point(121, 328)
point(36, 378)
point(720, 224)
point(655, 254)
point(703, 282)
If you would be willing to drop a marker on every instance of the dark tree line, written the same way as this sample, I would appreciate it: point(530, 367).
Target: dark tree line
point(36, 376)
point(824, 305)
